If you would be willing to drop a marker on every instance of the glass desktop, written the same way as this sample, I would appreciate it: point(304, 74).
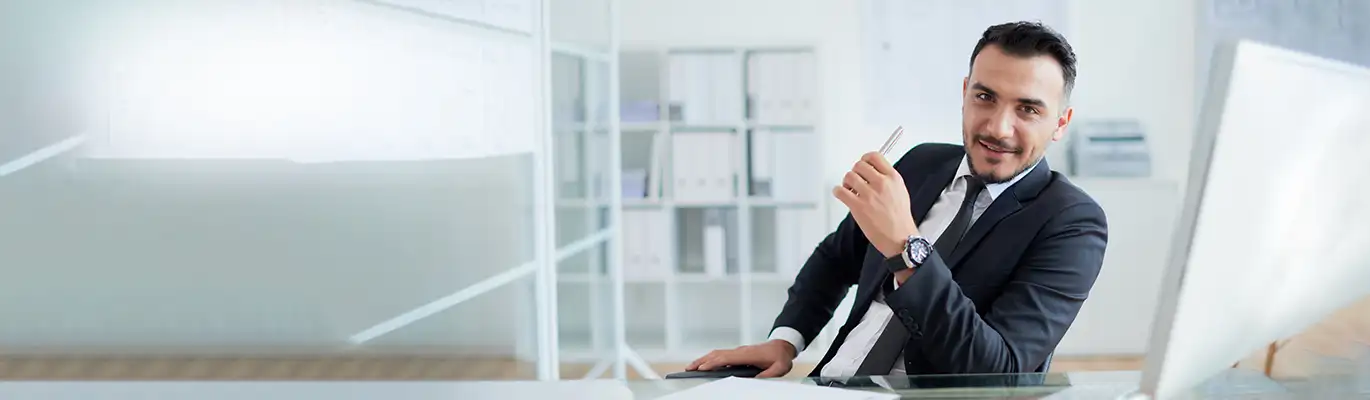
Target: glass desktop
point(1231, 384)
point(1236, 383)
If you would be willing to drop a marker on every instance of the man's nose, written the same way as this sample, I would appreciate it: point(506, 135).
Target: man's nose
point(1001, 124)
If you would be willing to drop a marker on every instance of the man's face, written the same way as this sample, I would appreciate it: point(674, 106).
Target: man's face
point(1012, 108)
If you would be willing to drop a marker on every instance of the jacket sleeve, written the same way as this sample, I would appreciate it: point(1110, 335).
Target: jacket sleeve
point(1029, 318)
point(834, 267)
point(823, 281)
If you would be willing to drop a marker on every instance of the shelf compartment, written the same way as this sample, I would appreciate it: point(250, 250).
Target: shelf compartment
point(706, 242)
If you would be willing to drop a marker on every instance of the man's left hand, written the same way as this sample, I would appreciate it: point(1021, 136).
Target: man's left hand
point(879, 202)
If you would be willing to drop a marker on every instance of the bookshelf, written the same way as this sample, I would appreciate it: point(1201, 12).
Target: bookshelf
point(722, 197)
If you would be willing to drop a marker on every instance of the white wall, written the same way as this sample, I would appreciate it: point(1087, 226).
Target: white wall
point(1129, 66)
point(1136, 60)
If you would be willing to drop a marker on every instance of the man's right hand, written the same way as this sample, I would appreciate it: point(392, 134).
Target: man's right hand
point(776, 357)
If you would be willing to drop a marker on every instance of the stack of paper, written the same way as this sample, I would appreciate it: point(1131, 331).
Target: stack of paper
point(747, 388)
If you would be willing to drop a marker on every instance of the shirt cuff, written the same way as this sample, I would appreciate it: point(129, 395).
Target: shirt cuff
point(788, 334)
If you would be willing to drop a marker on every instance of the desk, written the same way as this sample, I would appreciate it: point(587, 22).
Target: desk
point(1082, 385)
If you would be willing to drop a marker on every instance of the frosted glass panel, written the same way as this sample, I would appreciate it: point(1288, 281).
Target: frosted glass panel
point(264, 177)
point(582, 155)
point(582, 152)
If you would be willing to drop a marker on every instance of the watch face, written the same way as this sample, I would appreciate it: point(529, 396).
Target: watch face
point(918, 250)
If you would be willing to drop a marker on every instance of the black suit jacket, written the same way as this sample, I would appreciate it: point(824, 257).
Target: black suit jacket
point(999, 303)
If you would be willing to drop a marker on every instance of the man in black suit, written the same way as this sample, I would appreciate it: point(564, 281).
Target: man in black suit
point(980, 268)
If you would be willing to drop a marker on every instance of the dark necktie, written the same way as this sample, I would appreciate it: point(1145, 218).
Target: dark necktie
point(946, 243)
point(891, 342)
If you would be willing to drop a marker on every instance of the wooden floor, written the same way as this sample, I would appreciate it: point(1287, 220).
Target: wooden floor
point(1345, 335)
point(351, 368)
point(409, 368)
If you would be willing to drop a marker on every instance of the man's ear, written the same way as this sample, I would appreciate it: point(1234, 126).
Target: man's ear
point(1062, 123)
point(965, 85)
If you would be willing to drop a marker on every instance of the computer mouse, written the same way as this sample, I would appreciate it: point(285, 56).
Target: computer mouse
point(741, 371)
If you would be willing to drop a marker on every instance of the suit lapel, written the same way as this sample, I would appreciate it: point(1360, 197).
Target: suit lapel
point(931, 189)
point(1008, 203)
point(1005, 205)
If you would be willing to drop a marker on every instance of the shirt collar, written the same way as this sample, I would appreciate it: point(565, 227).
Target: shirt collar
point(993, 189)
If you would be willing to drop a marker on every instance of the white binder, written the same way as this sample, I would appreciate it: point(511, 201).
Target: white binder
point(715, 244)
point(702, 166)
point(645, 244)
point(798, 171)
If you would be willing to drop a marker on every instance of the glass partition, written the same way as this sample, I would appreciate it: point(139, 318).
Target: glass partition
point(283, 188)
point(586, 166)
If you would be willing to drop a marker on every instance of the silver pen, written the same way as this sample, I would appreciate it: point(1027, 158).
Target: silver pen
point(889, 143)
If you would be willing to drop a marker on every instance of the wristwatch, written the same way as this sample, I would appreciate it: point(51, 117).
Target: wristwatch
point(916, 251)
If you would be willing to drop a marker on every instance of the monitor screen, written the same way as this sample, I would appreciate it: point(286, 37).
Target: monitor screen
point(1272, 236)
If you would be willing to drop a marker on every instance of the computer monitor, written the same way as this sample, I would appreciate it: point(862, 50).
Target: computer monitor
point(1274, 233)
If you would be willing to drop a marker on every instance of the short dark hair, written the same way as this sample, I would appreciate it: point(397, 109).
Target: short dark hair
point(1030, 39)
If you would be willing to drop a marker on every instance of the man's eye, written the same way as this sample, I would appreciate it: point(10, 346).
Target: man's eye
point(1031, 110)
point(983, 97)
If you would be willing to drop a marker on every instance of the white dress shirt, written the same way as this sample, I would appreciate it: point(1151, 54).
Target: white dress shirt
point(862, 338)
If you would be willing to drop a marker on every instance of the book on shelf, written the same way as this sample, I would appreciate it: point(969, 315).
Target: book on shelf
point(635, 183)
point(644, 172)
point(639, 111)
point(656, 173)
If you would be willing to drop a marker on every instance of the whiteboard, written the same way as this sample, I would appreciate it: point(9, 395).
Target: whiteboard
point(1336, 29)
point(917, 52)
